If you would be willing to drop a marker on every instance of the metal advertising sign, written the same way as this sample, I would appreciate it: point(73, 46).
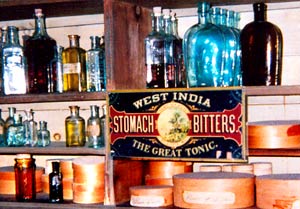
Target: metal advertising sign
point(193, 124)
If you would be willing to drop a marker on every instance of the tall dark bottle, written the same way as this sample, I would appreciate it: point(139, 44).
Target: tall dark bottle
point(39, 51)
point(56, 184)
point(261, 45)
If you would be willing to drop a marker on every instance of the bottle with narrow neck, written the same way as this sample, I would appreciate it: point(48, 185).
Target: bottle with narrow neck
point(75, 128)
point(39, 51)
point(94, 128)
point(13, 64)
point(56, 184)
point(103, 77)
point(261, 46)
point(2, 131)
point(43, 135)
point(74, 65)
point(2, 43)
point(56, 71)
point(154, 51)
point(30, 126)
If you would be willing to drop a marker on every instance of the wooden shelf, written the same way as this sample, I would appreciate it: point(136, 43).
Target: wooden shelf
point(291, 152)
point(53, 97)
point(55, 148)
point(271, 90)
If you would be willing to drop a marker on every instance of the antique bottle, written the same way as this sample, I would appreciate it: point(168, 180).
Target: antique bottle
point(169, 56)
point(94, 128)
point(75, 128)
point(178, 54)
point(102, 64)
point(2, 131)
point(16, 133)
point(25, 178)
point(2, 43)
point(30, 126)
point(103, 125)
point(9, 121)
point(43, 135)
point(13, 64)
point(154, 53)
point(56, 184)
point(203, 50)
point(56, 71)
point(93, 65)
point(261, 45)
point(74, 65)
point(39, 51)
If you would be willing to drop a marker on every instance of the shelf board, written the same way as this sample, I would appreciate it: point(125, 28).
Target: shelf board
point(283, 152)
point(55, 148)
point(271, 90)
point(52, 97)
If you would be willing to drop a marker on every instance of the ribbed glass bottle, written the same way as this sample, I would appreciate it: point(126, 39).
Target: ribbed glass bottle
point(74, 65)
point(203, 47)
point(39, 51)
point(261, 45)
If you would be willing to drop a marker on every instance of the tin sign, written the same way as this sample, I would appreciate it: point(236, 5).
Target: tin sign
point(193, 124)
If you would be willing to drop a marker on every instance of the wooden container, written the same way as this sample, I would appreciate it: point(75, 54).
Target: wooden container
point(151, 196)
point(276, 187)
point(274, 134)
point(7, 180)
point(210, 168)
point(210, 190)
point(262, 168)
point(66, 168)
point(243, 168)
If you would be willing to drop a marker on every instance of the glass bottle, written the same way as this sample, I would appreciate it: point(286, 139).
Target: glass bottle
point(43, 135)
point(9, 120)
point(2, 43)
point(30, 127)
point(203, 45)
point(93, 65)
point(261, 45)
point(56, 184)
point(74, 65)
point(25, 177)
point(2, 131)
point(102, 64)
point(94, 128)
point(39, 51)
point(178, 54)
point(16, 133)
point(169, 56)
point(75, 128)
point(56, 71)
point(154, 51)
point(13, 64)
point(103, 125)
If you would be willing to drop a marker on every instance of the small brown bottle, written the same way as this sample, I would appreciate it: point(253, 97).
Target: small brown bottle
point(261, 45)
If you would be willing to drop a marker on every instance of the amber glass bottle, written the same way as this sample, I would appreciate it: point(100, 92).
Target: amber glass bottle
point(74, 66)
point(39, 51)
point(75, 128)
point(261, 45)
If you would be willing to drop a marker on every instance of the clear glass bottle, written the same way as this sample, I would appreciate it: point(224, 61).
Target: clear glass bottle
point(30, 126)
point(2, 43)
point(56, 71)
point(43, 135)
point(178, 54)
point(2, 131)
point(102, 64)
point(16, 133)
point(94, 128)
point(39, 51)
point(13, 64)
point(74, 65)
point(203, 45)
point(103, 125)
point(261, 45)
point(75, 128)
point(93, 65)
point(56, 184)
point(169, 45)
point(154, 53)
point(25, 178)
point(10, 119)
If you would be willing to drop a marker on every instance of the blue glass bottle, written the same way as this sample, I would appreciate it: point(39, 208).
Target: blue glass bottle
point(16, 133)
point(204, 51)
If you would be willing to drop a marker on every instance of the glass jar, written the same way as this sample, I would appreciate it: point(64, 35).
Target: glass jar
point(43, 135)
point(25, 177)
point(75, 128)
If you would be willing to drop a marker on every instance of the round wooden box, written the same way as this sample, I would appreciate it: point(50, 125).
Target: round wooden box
point(210, 190)
point(276, 187)
point(274, 134)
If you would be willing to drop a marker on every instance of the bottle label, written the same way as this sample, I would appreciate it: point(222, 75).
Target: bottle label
point(155, 52)
point(13, 71)
point(93, 130)
point(210, 198)
point(147, 201)
point(71, 68)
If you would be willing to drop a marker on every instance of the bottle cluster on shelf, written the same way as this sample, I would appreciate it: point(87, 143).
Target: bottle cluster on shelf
point(43, 66)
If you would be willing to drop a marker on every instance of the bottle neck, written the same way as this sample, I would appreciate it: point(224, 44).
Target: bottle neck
point(74, 110)
point(203, 13)
point(3, 35)
point(74, 41)
point(156, 23)
point(94, 111)
point(40, 25)
point(43, 125)
point(11, 111)
point(13, 35)
point(260, 12)
point(175, 26)
point(95, 42)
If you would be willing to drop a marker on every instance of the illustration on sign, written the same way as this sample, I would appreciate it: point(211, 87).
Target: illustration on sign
point(194, 124)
